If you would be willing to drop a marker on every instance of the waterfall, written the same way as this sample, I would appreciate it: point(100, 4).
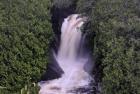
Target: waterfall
point(70, 59)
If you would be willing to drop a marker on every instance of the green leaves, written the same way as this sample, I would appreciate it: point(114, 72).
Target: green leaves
point(25, 34)
point(116, 44)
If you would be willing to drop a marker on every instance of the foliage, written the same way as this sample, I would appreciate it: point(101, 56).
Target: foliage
point(28, 89)
point(117, 42)
point(25, 33)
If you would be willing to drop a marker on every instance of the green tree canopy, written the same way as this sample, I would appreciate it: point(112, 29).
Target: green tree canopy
point(116, 24)
point(25, 33)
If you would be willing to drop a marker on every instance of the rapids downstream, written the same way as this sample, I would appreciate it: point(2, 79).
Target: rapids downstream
point(72, 59)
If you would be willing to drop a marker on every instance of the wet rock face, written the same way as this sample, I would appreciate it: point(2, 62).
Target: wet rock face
point(58, 15)
point(53, 70)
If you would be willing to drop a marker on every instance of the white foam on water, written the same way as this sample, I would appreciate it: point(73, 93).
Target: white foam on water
point(69, 59)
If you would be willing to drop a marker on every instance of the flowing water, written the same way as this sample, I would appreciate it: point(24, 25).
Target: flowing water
point(72, 59)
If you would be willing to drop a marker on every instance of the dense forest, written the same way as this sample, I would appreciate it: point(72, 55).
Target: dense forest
point(28, 28)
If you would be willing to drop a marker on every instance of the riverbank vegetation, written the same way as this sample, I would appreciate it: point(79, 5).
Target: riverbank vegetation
point(116, 44)
point(25, 33)
point(113, 31)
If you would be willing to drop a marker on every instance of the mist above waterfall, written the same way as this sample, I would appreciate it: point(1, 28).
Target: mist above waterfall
point(72, 58)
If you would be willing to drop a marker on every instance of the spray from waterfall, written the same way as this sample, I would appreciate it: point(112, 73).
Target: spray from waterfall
point(69, 59)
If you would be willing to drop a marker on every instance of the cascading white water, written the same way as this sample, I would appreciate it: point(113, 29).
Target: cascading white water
point(69, 59)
